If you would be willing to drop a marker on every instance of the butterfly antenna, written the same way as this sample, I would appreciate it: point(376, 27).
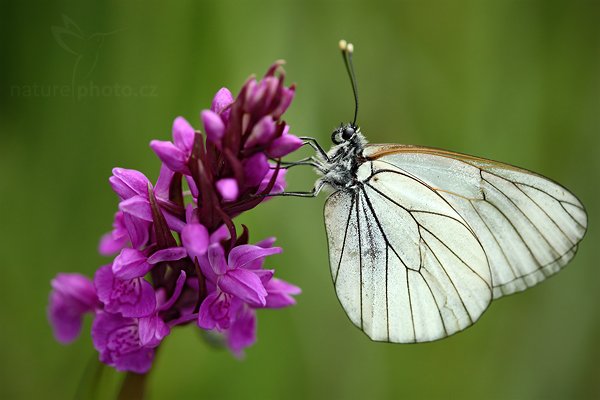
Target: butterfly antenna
point(347, 50)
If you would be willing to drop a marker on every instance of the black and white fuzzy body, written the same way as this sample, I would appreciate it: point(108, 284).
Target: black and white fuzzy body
point(340, 166)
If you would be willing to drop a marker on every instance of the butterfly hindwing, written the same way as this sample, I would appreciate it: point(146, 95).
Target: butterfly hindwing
point(406, 266)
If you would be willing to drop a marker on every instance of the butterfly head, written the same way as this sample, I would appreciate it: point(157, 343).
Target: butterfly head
point(345, 133)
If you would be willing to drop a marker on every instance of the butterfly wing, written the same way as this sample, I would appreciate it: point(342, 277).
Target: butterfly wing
point(406, 266)
point(529, 226)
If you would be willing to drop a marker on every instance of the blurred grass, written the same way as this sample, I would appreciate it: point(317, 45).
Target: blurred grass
point(517, 81)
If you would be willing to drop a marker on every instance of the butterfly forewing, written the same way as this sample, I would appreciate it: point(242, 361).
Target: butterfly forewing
point(528, 225)
point(406, 266)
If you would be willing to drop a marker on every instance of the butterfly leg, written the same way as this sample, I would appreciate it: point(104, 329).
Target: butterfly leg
point(310, 161)
point(313, 193)
point(312, 142)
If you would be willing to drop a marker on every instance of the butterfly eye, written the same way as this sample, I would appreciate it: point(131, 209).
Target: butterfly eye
point(348, 133)
point(337, 136)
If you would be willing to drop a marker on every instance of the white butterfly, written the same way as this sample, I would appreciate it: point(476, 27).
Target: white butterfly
point(421, 239)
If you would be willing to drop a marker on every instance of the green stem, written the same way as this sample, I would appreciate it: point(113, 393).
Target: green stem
point(133, 387)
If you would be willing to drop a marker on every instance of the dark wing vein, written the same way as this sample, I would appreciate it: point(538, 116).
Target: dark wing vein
point(544, 211)
point(344, 242)
point(495, 238)
point(389, 245)
point(359, 258)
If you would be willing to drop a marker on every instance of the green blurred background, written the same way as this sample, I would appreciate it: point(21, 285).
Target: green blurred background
point(517, 81)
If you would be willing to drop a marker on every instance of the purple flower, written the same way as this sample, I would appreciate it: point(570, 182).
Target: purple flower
point(133, 188)
point(218, 310)
point(236, 281)
point(120, 344)
point(130, 297)
point(179, 256)
point(233, 276)
point(176, 154)
point(72, 296)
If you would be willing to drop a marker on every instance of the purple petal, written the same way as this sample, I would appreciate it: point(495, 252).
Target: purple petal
point(115, 240)
point(262, 133)
point(266, 243)
point(255, 169)
point(245, 285)
point(103, 282)
point(194, 237)
point(284, 145)
point(242, 256)
point(152, 330)
point(183, 135)
point(171, 155)
point(170, 254)
point(163, 183)
point(137, 206)
point(176, 293)
point(216, 258)
point(174, 222)
point(128, 182)
point(137, 229)
point(222, 102)
point(191, 214)
point(280, 293)
point(286, 99)
point(222, 233)
point(139, 361)
point(279, 181)
point(132, 298)
point(117, 340)
point(214, 126)
point(109, 245)
point(129, 264)
point(228, 188)
point(242, 333)
point(145, 303)
point(71, 297)
point(265, 275)
point(217, 311)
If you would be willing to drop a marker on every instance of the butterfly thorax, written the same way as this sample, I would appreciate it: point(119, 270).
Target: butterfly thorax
point(340, 169)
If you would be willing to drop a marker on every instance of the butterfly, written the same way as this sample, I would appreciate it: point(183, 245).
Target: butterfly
point(421, 240)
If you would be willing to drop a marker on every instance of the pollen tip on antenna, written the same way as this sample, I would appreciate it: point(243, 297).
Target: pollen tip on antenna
point(346, 47)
